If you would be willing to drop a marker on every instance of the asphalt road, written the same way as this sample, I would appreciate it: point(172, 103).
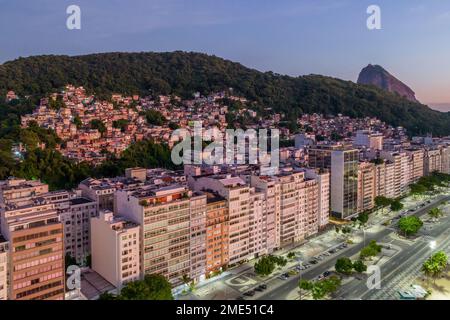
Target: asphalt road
point(415, 252)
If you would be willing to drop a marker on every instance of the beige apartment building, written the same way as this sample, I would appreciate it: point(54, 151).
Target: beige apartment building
point(198, 203)
point(163, 214)
point(416, 162)
point(115, 248)
point(269, 186)
point(19, 191)
point(322, 176)
point(402, 174)
point(75, 213)
point(294, 204)
point(36, 251)
point(237, 194)
point(433, 161)
point(4, 251)
point(366, 186)
point(445, 159)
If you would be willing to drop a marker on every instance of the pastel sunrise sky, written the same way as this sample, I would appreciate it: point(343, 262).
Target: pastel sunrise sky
point(294, 37)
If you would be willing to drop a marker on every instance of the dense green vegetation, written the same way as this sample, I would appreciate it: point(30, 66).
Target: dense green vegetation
point(184, 73)
point(267, 264)
point(153, 287)
point(434, 266)
point(321, 289)
point(410, 225)
point(429, 183)
point(371, 250)
point(345, 266)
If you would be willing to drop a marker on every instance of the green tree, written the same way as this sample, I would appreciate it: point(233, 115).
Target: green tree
point(363, 218)
point(291, 255)
point(265, 266)
point(344, 266)
point(434, 266)
point(77, 122)
point(155, 117)
point(98, 125)
point(382, 202)
point(370, 250)
point(359, 266)
point(396, 205)
point(410, 225)
point(435, 213)
point(153, 287)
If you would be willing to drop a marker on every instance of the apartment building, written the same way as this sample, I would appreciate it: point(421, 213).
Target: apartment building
point(416, 162)
point(269, 186)
point(237, 194)
point(75, 213)
point(19, 191)
point(257, 224)
point(344, 183)
point(342, 161)
point(445, 159)
point(4, 251)
point(432, 161)
point(216, 233)
point(198, 203)
point(102, 190)
point(115, 248)
point(36, 250)
point(402, 173)
point(323, 179)
point(370, 140)
point(163, 214)
point(293, 204)
point(366, 186)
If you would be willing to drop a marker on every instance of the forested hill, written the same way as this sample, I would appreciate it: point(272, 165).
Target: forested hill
point(183, 73)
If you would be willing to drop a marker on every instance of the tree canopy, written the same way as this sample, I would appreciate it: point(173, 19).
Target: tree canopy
point(182, 73)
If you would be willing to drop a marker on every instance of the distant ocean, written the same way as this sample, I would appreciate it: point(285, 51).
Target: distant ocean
point(444, 107)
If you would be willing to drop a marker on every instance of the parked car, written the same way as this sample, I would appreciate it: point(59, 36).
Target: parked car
point(326, 273)
point(263, 286)
point(250, 293)
point(282, 277)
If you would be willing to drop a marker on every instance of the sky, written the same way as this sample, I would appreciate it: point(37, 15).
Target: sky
point(294, 37)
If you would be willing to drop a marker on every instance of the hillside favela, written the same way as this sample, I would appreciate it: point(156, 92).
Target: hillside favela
point(156, 172)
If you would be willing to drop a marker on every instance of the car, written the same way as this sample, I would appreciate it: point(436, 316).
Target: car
point(250, 293)
point(263, 286)
point(313, 262)
point(259, 289)
point(332, 251)
point(326, 273)
point(344, 245)
point(282, 277)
